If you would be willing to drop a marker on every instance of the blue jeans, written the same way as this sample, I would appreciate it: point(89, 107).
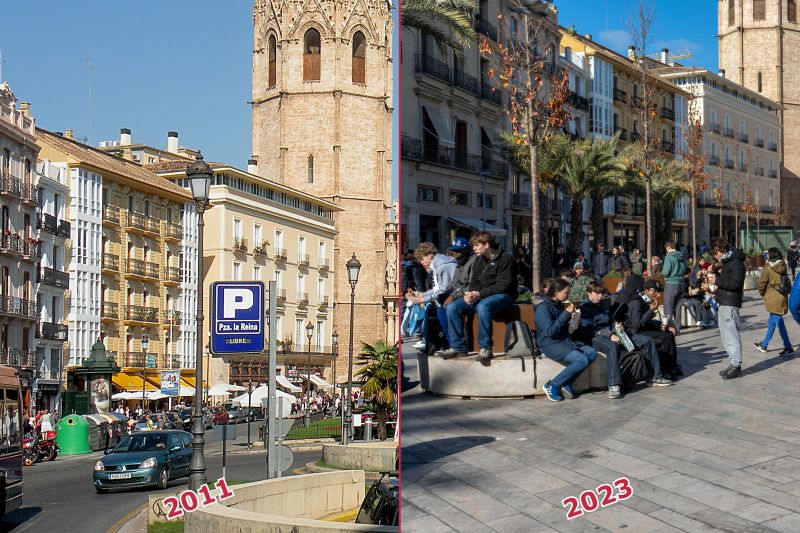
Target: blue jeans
point(434, 336)
point(485, 309)
point(777, 320)
point(576, 361)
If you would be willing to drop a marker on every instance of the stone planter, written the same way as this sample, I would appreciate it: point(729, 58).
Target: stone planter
point(751, 282)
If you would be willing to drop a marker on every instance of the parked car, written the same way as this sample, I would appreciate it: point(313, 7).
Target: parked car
point(235, 413)
point(380, 505)
point(219, 415)
point(144, 459)
point(166, 420)
point(254, 414)
point(185, 416)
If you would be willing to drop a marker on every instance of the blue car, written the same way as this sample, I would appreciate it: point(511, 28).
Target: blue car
point(143, 459)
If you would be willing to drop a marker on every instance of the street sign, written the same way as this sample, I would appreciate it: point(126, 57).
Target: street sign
point(170, 382)
point(151, 360)
point(285, 457)
point(237, 317)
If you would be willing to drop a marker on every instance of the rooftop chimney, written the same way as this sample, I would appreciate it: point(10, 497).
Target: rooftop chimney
point(25, 109)
point(69, 134)
point(124, 137)
point(665, 56)
point(172, 142)
point(588, 36)
point(632, 52)
point(252, 166)
point(721, 73)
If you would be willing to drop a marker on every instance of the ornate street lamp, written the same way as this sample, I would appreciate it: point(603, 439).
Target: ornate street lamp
point(145, 345)
point(199, 174)
point(307, 417)
point(353, 269)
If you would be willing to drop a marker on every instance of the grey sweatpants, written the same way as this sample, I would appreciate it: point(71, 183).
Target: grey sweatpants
point(672, 293)
point(729, 324)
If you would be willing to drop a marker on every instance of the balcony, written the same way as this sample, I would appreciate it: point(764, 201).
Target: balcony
point(323, 303)
point(137, 313)
point(714, 128)
point(635, 136)
point(729, 164)
point(31, 194)
point(280, 254)
point(110, 263)
point(773, 174)
point(302, 300)
point(431, 66)
point(773, 147)
point(64, 228)
point(173, 232)
point(55, 278)
point(620, 96)
point(152, 270)
point(727, 132)
point(10, 244)
point(239, 244)
point(261, 249)
point(171, 318)
point(109, 311)
point(482, 26)
point(743, 137)
point(668, 147)
point(52, 331)
point(135, 222)
point(10, 185)
point(48, 223)
point(713, 160)
point(623, 133)
point(457, 158)
point(18, 358)
point(280, 298)
point(18, 307)
point(31, 250)
point(520, 200)
point(759, 143)
point(324, 265)
point(759, 171)
point(133, 359)
point(741, 167)
point(303, 259)
point(637, 102)
point(490, 94)
point(135, 267)
point(172, 275)
point(667, 113)
point(578, 102)
point(410, 148)
point(466, 81)
point(111, 215)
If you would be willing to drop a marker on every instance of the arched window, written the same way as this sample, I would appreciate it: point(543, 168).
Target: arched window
point(359, 58)
point(312, 50)
point(759, 82)
point(311, 169)
point(273, 53)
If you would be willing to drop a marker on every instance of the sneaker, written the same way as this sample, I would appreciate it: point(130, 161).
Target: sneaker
point(759, 347)
point(733, 373)
point(552, 392)
point(700, 324)
point(568, 392)
point(787, 352)
point(723, 372)
point(677, 371)
point(614, 392)
point(485, 354)
point(419, 345)
point(659, 382)
point(450, 353)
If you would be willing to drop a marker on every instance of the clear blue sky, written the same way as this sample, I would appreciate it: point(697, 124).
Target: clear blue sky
point(679, 24)
point(156, 66)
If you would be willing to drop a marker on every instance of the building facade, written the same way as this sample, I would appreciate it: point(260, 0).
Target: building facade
point(19, 246)
point(759, 41)
point(131, 268)
point(741, 130)
point(321, 108)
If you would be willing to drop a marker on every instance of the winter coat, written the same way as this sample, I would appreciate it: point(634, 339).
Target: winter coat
point(442, 267)
point(775, 302)
point(552, 330)
point(415, 277)
point(595, 320)
point(617, 262)
point(639, 316)
point(730, 281)
point(496, 275)
point(794, 299)
point(460, 281)
point(601, 263)
point(674, 269)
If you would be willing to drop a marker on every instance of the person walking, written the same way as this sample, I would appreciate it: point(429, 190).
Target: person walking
point(524, 265)
point(674, 272)
point(776, 302)
point(792, 257)
point(730, 292)
point(601, 263)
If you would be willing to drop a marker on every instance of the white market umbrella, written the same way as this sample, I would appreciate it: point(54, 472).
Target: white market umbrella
point(186, 391)
point(128, 395)
point(120, 396)
point(262, 392)
point(224, 389)
point(156, 395)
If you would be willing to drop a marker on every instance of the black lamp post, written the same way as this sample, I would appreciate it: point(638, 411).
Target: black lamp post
point(353, 269)
point(199, 174)
point(145, 345)
point(307, 416)
point(335, 339)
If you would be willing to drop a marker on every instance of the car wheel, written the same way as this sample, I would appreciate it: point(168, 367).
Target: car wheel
point(163, 478)
point(100, 491)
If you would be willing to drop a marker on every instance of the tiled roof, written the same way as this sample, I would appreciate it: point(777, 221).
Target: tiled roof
point(111, 163)
point(177, 166)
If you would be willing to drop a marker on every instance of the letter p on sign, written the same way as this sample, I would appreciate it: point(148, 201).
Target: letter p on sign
point(235, 300)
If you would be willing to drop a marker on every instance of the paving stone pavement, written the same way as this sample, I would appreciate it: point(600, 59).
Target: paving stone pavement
point(702, 455)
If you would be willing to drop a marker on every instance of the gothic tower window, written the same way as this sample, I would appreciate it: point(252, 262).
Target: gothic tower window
point(791, 6)
point(359, 58)
point(759, 82)
point(311, 169)
point(272, 60)
point(311, 55)
point(759, 9)
point(731, 12)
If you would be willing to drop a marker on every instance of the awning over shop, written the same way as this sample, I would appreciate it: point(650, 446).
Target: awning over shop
point(319, 382)
point(127, 382)
point(285, 383)
point(478, 224)
point(189, 381)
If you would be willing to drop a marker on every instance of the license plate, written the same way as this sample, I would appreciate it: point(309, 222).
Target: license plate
point(127, 475)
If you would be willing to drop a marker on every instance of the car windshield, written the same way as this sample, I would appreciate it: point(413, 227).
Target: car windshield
point(143, 420)
point(142, 443)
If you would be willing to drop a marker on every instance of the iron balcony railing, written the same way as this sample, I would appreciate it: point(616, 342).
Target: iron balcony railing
point(466, 81)
point(451, 157)
point(52, 331)
point(727, 132)
point(490, 94)
point(110, 310)
point(172, 274)
point(151, 270)
point(135, 267)
point(31, 249)
point(759, 143)
point(139, 313)
point(667, 113)
point(426, 64)
point(729, 164)
point(261, 249)
point(239, 244)
point(10, 243)
point(171, 317)
point(667, 146)
point(713, 160)
point(48, 223)
point(410, 148)
point(55, 278)
point(773, 173)
point(280, 254)
point(324, 264)
point(743, 137)
point(18, 358)
point(773, 147)
point(110, 261)
point(521, 200)
point(10, 185)
point(620, 96)
point(12, 305)
point(714, 128)
point(303, 259)
point(483, 26)
point(31, 193)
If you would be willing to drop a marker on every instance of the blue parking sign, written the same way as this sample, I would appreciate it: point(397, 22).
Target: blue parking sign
point(237, 317)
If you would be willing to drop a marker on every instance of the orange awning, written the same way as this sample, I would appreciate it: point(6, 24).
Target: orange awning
point(129, 382)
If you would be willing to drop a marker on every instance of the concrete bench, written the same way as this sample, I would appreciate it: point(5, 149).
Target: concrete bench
point(500, 321)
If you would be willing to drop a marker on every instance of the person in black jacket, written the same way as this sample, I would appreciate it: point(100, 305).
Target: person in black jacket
point(730, 291)
point(492, 288)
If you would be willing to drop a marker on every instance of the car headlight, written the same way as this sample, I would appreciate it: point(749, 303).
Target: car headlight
point(150, 462)
point(99, 466)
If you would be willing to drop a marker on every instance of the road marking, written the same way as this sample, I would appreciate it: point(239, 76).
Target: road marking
point(124, 520)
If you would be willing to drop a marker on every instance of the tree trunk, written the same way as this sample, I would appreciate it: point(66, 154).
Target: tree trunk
point(748, 240)
point(694, 223)
point(596, 218)
point(658, 236)
point(536, 245)
point(544, 234)
point(381, 416)
point(668, 219)
point(576, 227)
point(736, 227)
point(721, 236)
point(648, 215)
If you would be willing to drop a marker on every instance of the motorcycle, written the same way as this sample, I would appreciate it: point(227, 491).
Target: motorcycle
point(48, 449)
point(30, 452)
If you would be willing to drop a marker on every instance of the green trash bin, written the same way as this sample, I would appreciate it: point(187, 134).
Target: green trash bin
point(72, 435)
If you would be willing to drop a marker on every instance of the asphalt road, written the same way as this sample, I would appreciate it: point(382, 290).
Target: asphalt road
point(60, 496)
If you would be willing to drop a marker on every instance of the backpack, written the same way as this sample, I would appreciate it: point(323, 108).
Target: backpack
point(633, 368)
point(520, 341)
point(785, 286)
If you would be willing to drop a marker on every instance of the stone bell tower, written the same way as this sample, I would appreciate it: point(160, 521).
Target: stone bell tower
point(322, 106)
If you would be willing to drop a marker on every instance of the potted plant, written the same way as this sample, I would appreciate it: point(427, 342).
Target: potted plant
point(612, 280)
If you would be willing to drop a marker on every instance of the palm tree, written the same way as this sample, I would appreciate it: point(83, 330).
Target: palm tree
point(379, 373)
point(448, 22)
point(670, 182)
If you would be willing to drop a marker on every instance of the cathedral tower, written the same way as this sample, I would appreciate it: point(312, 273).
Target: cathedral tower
point(322, 107)
point(759, 43)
